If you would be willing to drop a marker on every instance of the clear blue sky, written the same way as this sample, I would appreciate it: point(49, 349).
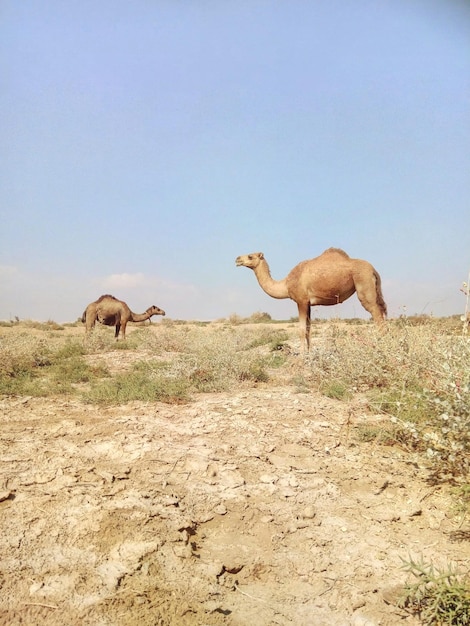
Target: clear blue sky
point(146, 144)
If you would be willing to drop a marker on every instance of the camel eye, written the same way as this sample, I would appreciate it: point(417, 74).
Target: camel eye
point(250, 256)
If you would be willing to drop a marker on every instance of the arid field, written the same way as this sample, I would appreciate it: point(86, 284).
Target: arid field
point(211, 474)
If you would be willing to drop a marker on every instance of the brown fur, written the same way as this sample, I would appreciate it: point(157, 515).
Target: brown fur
point(110, 311)
point(106, 295)
point(328, 279)
point(337, 251)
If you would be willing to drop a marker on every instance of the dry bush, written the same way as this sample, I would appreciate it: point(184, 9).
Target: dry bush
point(259, 317)
point(34, 365)
point(417, 374)
point(178, 360)
point(20, 353)
point(235, 319)
point(45, 326)
point(216, 359)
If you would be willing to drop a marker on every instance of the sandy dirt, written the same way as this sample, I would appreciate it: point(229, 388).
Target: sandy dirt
point(257, 507)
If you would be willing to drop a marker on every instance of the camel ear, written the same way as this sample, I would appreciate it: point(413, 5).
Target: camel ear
point(261, 255)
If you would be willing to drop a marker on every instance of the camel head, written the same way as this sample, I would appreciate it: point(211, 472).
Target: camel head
point(154, 310)
point(249, 260)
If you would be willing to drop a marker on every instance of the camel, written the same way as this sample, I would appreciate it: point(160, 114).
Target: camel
point(110, 311)
point(327, 279)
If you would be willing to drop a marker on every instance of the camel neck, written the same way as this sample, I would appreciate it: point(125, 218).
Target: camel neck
point(274, 288)
point(139, 317)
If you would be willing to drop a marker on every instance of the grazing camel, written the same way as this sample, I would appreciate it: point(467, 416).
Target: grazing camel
point(328, 279)
point(110, 311)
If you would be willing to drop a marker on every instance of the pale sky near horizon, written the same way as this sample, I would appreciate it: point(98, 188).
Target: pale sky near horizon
point(146, 144)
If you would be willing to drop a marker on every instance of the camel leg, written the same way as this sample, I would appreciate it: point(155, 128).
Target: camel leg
point(90, 324)
point(123, 330)
point(368, 298)
point(117, 323)
point(304, 325)
point(308, 323)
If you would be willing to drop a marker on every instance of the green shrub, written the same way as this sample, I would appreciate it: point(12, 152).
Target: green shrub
point(271, 337)
point(144, 383)
point(31, 366)
point(438, 598)
point(70, 349)
point(336, 389)
point(256, 372)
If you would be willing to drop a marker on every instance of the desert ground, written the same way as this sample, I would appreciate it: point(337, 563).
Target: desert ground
point(259, 505)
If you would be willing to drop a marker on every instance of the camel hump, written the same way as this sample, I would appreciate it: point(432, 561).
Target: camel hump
point(336, 251)
point(106, 295)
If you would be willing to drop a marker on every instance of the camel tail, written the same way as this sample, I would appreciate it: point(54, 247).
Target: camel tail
point(380, 299)
point(84, 317)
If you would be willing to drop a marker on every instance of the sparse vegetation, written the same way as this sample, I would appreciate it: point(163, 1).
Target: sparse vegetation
point(440, 598)
point(336, 389)
point(416, 373)
point(32, 366)
point(167, 366)
point(144, 383)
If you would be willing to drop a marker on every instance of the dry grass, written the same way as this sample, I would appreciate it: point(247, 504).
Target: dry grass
point(168, 365)
point(416, 373)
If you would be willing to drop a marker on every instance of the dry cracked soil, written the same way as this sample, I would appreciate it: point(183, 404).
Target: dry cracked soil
point(257, 507)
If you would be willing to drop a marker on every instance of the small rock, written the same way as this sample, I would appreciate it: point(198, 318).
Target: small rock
point(183, 551)
point(233, 567)
point(393, 595)
point(111, 573)
point(184, 536)
point(358, 604)
point(300, 524)
point(268, 478)
point(231, 479)
point(287, 492)
point(214, 569)
point(108, 477)
point(212, 470)
point(288, 481)
point(435, 520)
point(5, 495)
point(308, 512)
point(211, 606)
point(204, 517)
point(35, 587)
point(221, 509)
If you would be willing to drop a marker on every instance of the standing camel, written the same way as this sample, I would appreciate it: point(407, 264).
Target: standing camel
point(110, 311)
point(328, 279)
